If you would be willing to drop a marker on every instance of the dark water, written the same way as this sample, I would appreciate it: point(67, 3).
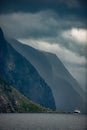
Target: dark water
point(43, 122)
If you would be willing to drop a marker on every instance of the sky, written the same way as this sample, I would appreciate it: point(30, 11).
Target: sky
point(57, 26)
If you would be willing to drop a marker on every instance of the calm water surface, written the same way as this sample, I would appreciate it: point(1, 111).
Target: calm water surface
point(43, 122)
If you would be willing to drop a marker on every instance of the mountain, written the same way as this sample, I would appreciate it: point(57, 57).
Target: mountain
point(13, 101)
point(21, 74)
point(66, 90)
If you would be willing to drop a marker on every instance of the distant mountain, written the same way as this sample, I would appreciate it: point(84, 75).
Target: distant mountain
point(13, 101)
point(20, 73)
point(66, 90)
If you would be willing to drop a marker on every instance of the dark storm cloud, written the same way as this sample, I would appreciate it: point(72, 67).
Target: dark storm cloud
point(63, 6)
point(44, 19)
point(46, 26)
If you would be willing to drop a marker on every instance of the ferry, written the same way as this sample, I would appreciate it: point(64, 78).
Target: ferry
point(77, 111)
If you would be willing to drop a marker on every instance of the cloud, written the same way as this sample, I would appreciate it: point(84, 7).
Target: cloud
point(62, 6)
point(78, 35)
point(40, 24)
point(71, 3)
point(45, 26)
point(63, 53)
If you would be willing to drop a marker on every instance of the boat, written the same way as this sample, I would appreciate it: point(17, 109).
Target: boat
point(77, 111)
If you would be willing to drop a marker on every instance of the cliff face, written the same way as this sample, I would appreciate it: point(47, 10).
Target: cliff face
point(20, 73)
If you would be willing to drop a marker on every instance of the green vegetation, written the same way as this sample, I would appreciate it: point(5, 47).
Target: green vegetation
point(25, 105)
point(11, 100)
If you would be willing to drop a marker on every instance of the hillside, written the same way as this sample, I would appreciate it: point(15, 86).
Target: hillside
point(22, 75)
point(13, 101)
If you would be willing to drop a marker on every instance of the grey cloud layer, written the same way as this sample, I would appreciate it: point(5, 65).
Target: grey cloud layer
point(63, 6)
point(29, 25)
point(45, 25)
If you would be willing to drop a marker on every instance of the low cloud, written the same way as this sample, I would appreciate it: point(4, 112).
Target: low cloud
point(77, 35)
point(47, 26)
point(61, 52)
point(42, 24)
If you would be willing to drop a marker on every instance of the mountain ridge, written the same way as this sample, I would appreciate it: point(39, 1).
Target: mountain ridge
point(21, 74)
point(67, 92)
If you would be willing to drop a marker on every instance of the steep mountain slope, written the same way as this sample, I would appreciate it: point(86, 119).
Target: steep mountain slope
point(67, 92)
point(13, 101)
point(36, 57)
point(19, 72)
